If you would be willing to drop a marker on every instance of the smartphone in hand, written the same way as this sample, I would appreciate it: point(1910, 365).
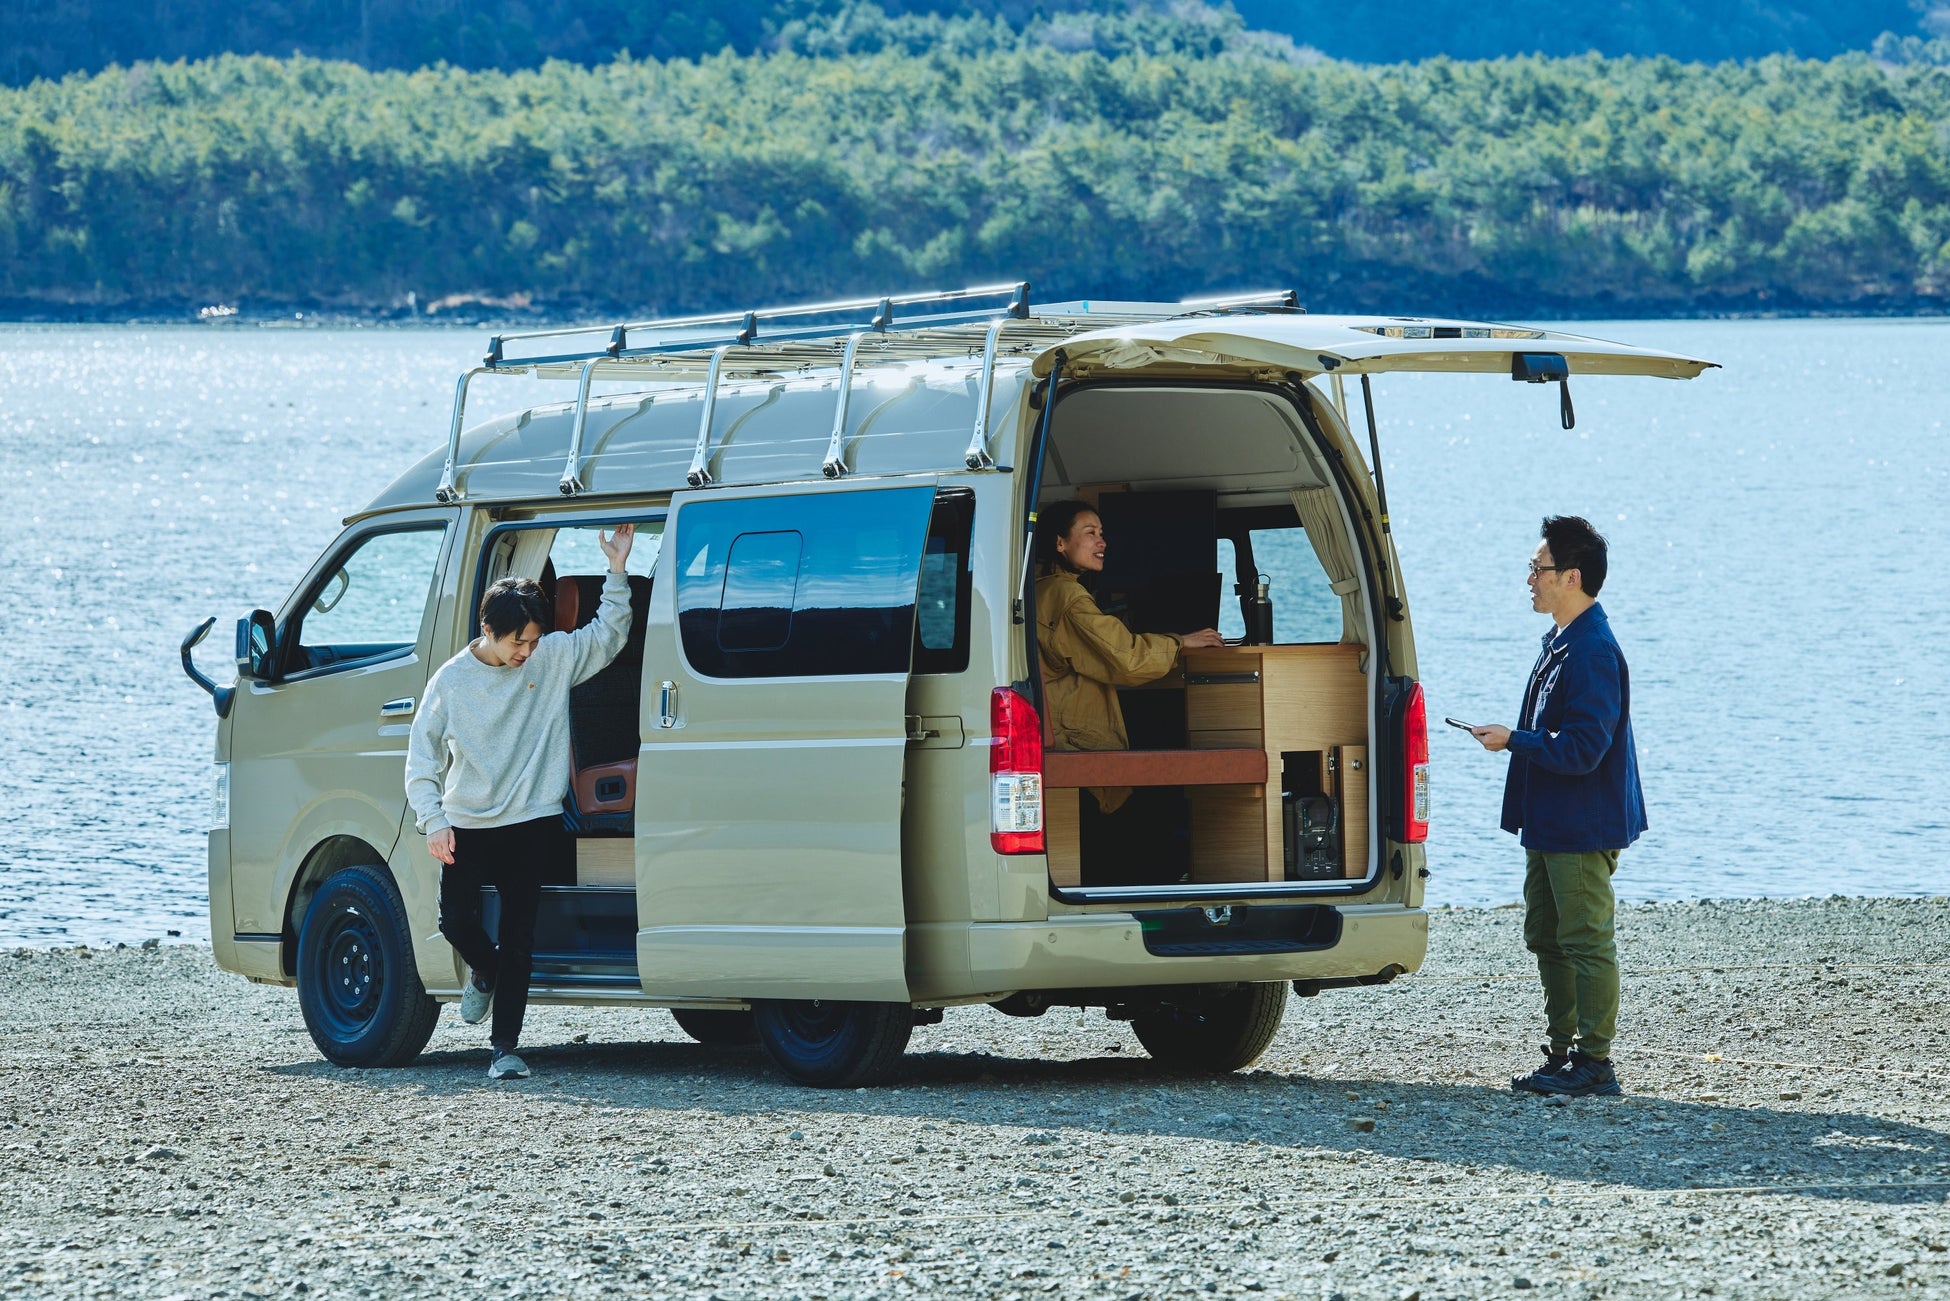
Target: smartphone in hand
point(1467, 727)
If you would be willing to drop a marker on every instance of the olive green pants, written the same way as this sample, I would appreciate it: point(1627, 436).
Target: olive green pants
point(1567, 923)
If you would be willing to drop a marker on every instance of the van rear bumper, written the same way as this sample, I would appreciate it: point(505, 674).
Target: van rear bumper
point(967, 960)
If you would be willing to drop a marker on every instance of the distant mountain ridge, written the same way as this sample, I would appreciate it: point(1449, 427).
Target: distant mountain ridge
point(51, 38)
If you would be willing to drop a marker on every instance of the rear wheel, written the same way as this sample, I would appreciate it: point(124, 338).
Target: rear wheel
point(831, 1045)
point(1217, 1032)
point(357, 986)
point(720, 1029)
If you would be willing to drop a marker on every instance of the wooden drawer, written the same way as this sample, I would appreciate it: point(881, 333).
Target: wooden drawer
point(1222, 700)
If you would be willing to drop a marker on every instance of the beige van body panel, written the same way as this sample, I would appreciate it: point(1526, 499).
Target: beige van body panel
point(1106, 951)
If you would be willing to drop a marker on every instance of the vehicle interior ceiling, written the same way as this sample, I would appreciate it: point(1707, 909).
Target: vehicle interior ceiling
point(1203, 493)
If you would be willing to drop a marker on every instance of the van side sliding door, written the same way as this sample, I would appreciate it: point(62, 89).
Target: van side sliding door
point(768, 823)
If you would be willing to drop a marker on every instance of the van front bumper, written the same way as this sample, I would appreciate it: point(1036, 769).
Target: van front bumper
point(971, 960)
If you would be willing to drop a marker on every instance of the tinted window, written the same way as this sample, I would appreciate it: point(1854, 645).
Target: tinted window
point(761, 579)
point(941, 619)
point(811, 586)
point(372, 603)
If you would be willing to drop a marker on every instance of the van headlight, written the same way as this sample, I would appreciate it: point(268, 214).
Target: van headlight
point(220, 797)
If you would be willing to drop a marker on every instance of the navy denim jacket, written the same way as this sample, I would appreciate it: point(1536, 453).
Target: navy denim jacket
point(1574, 777)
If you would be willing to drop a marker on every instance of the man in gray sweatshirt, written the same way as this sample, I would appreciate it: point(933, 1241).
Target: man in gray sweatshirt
point(486, 769)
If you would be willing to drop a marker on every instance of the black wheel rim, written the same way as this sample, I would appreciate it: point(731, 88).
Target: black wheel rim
point(810, 1029)
point(349, 973)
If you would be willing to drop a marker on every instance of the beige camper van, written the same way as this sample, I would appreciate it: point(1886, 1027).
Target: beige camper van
point(812, 800)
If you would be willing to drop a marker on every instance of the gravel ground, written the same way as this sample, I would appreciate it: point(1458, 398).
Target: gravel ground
point(1786, 1134)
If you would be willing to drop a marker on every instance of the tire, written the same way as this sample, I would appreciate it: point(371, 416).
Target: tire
point(1213, 1033)
point(357, 985)
point(832, 1045)
point(719, 1029)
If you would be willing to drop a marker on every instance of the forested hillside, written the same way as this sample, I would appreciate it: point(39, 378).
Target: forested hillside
point(48, 38)
point(1584, 185)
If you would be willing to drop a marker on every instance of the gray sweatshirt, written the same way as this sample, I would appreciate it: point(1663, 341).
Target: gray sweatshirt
point(490, 746)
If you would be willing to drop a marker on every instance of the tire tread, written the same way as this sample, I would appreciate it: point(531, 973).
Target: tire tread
point(1219, 1049)
point(412, 1029)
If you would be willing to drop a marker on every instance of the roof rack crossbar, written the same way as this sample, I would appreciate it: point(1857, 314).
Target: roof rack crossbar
point(834, 334)
point(448, 493)
point(570, 485)
point(1275, 299)
point(1016, 293)
point(834, 466)
point(977, 457)
point(700, 472)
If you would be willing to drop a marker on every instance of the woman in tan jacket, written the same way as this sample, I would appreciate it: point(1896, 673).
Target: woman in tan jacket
point(1086, 655)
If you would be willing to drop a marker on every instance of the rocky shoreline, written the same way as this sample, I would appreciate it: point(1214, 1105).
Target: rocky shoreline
point(1785, 1134)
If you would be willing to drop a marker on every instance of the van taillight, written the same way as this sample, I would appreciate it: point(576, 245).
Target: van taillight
point(1415, 768)
point(1015, 774)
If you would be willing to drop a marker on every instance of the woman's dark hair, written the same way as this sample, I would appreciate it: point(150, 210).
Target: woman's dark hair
point(1055, 521)
point(511, 604)
point(1576, 545)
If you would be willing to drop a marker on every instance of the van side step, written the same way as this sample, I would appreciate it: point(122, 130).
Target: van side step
point(1239, 929)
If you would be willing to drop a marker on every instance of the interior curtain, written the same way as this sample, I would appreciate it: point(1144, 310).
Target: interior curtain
point(1320, 516)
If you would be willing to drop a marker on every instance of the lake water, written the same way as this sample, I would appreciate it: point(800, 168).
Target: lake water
point(1779, 536)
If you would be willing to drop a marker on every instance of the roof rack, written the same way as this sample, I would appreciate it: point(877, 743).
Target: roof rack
point(982, 323)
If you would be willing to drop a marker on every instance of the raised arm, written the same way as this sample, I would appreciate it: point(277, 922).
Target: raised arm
point(596, 643)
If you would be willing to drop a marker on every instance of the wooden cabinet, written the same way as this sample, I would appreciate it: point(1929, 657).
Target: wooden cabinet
point(1247, 709)
point(1281, 699)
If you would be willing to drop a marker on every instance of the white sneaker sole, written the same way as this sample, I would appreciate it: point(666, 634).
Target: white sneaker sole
point(475, 1005)
point(508, 1068)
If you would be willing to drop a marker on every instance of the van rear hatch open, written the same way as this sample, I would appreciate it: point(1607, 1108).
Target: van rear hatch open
point(1353, 345)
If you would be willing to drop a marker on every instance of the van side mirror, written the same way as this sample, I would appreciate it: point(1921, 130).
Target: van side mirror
point(257, 643)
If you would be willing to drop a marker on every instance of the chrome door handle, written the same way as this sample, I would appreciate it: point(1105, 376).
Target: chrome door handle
point(396, 708)
point(666, 704)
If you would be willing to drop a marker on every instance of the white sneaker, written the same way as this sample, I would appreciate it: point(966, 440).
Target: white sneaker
point(475, 1002)
point(507, 1066)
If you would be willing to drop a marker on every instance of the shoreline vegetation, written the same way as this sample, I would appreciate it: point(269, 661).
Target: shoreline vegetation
point(1588, 187)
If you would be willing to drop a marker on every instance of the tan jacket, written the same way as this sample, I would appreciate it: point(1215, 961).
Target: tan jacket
point(1086, 655)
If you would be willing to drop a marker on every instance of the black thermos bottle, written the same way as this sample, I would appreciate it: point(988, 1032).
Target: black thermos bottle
point(1259, 615)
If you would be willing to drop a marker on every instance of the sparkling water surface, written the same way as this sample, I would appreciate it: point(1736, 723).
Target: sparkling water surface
point(1779, 531)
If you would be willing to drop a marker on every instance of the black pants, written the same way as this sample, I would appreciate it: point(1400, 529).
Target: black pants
point(515, 860)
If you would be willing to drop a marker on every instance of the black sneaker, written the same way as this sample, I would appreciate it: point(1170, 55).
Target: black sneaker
point(1555, 1060)
point(1585, 1077)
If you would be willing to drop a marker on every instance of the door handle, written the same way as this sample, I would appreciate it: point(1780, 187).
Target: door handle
point(666, 704)
point(397, 708)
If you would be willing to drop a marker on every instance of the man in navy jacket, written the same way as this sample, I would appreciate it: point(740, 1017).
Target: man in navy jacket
point(1572, 797)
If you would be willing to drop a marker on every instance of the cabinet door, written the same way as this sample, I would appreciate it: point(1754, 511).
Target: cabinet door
point(769, 782)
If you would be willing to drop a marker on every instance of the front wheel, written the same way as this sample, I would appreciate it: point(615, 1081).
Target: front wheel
point(1216, 1032)
point(357, 986)
point(719, 1029)
point(831, 1045)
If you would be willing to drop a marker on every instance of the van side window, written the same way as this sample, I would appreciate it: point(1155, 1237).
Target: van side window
point(941, 623)
point(807, 586)
point(371, 605)
point(761, 581)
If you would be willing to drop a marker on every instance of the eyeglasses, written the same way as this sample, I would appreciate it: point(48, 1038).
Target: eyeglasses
point(1536, 569)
